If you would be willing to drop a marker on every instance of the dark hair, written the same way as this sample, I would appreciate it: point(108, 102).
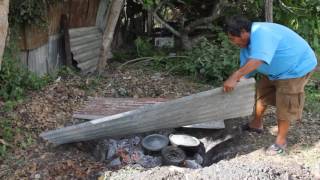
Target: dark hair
point(235, 24)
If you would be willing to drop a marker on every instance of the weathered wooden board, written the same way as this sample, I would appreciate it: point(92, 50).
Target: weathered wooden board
point(32, 37)
point(198, 108)
point(83, 12)
point(55, 11)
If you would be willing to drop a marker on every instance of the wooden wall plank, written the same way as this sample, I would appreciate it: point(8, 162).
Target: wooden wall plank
point(83, 12)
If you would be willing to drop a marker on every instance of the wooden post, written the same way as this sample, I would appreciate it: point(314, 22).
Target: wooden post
point(4, 10)
point(112, 17)
point(268, 9)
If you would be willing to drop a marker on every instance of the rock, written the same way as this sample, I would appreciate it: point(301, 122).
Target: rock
point(101, 150)
point(150, 161)
point(37, 176)
point(122, 92)
point(114, 163)
point(136, 155)
point(156, 76)
point(136, 140)
point(112, 149)
point(192, 164)
point(316, 171)
point(198, 158)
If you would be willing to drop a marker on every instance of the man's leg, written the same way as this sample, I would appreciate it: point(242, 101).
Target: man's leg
point(265, 95)
point(257, 121)
point(289, 102)
point(283, 127)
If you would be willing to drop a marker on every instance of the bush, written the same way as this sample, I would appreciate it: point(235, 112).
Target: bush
point(15, 80)
point(211, 61)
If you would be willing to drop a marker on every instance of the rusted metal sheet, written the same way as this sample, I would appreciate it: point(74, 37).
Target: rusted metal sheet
point(101, 14)
point(55, 52)
point(85, 44)
point(83, 12)
point(37, 60)
point(97, 107)
point(44, 59)
point(33, 36)
point(197, 108)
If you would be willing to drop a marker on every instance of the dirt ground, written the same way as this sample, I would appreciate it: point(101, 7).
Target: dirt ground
point(241, 158)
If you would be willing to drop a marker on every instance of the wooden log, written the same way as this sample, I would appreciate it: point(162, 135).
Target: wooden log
point(198, 108)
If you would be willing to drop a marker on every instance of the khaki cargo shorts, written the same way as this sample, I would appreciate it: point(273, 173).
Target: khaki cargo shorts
point(287, 95)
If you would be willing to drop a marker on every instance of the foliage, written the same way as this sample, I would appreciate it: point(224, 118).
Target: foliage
point(143, 47)
point(213, 60)
point(302, 16)
point(27, 12)
point(210, 60)
point(7, 134)
point(312, 91)
point(15, 79)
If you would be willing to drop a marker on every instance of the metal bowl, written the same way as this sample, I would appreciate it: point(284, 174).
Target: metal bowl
point(183, 140)
point(155, 142)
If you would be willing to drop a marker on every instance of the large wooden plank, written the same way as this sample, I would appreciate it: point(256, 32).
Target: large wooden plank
point(198, 108)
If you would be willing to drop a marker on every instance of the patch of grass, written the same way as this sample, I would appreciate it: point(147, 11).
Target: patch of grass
point(6, 134)
point(312, 91)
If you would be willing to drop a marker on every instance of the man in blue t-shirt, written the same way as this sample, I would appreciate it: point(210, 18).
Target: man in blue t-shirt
point(285, 61)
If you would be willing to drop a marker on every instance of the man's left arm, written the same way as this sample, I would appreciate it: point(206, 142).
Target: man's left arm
point(250, 66)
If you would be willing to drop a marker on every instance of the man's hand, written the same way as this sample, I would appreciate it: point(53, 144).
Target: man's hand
point(230, 83)
point(250, 66)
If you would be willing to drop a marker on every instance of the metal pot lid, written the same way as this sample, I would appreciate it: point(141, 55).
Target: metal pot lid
point(155, 142)
point(184, 140)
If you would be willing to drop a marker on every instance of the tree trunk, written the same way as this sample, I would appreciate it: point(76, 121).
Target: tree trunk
point(268, 9)
point(149, 22)
point(4, 10)
point(112, 17)
point(186, 41)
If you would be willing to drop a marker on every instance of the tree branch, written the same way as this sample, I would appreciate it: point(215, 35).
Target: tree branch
point(165, 24)
point(160, 20)
point(215, 14)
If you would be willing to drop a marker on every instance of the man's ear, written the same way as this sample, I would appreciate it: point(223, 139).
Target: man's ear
point(243, 31)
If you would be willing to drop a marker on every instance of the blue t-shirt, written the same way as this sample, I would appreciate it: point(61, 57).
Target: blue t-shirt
point(285, 54)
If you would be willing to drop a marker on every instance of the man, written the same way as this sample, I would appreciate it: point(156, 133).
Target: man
point(285, 61)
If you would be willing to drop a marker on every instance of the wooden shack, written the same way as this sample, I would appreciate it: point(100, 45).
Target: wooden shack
point(42, 47)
